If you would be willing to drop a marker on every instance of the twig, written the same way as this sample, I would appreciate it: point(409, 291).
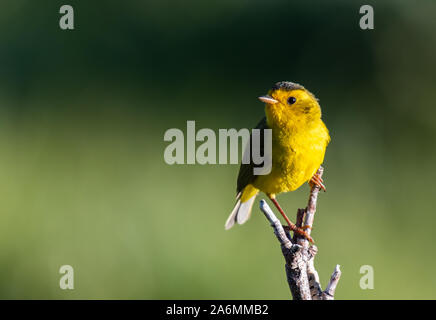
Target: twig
point(303, 279)
point(329, 293)
point(276, 224)
point(312, 274)
point(299, 221)
point(310, 210)
point(295, 265)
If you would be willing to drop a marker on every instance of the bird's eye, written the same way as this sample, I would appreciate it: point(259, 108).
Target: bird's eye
point(292, 100)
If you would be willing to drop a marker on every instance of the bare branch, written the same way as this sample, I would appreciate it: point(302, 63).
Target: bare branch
point(329, 293)
point(303, 279)
point(299, 222)
point(312, 274)
point(276, 224)
point(296, 273)
point(295, 265)
point(310, 210)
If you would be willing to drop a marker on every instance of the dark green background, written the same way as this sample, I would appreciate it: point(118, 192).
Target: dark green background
point(82, 116)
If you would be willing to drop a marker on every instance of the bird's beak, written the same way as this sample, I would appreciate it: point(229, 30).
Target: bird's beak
point(268, 99)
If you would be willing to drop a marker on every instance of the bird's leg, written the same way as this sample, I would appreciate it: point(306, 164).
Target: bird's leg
point(316, 180)
point(292, 226)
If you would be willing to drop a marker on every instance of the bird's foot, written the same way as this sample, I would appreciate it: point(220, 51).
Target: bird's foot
point(303, 233)
point(316, 180)
point(291, 226)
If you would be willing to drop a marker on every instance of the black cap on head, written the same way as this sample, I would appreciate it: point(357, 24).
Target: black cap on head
point(289, 86)
point(286, 85)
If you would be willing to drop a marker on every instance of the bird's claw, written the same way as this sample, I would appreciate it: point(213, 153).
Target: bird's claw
point(316, 180)
point(303, 233)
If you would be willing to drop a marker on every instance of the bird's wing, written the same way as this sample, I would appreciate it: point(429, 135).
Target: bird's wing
point(246, 175)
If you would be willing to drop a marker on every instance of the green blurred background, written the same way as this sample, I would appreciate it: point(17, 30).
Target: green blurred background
point(83, 113)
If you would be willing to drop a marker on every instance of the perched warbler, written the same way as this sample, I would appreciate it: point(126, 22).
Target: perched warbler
point(299, 141)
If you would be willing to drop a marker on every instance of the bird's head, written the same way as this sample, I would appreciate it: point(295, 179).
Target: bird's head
point(288, 103)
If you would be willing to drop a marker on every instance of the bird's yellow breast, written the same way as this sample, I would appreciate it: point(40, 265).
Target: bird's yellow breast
point(297, 152)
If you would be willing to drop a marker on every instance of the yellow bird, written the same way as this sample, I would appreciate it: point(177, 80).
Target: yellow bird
point(299, 141)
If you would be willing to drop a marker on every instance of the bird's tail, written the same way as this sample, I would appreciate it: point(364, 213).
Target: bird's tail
point(242, 210)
